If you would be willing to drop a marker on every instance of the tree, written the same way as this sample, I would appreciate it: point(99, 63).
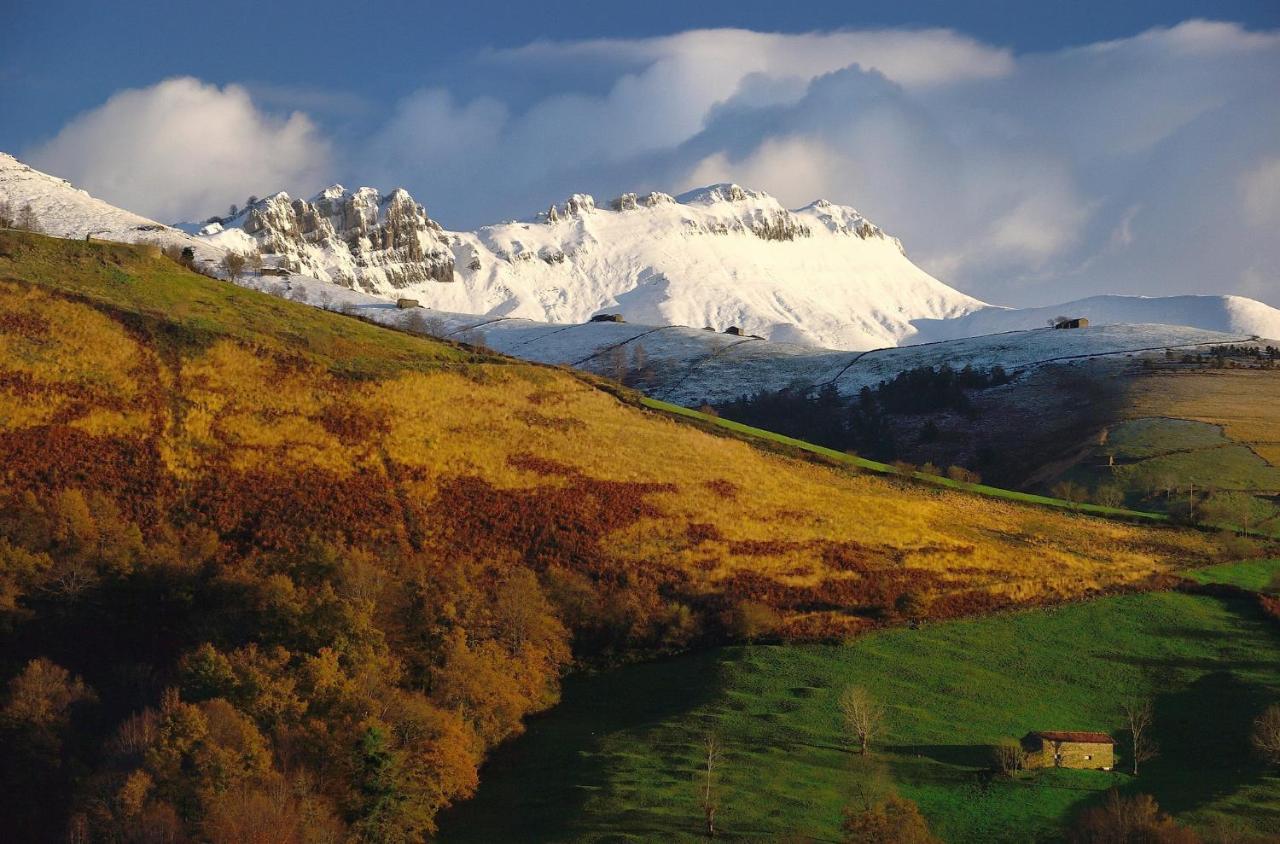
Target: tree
point(42, 695)
point(1109, 495)
point(6, 214)
point(1266, 734)
point(233, 263)
point(1138, 718)
point(709, 787)
point(863, 715)
point(26, 220)
point(893, 820)
point(1009, 756)
point(1120, 820)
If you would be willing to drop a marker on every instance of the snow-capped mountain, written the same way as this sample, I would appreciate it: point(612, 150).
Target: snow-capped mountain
point(720, 256)
point(66, 211)
point(381, 244)
point(818, 276)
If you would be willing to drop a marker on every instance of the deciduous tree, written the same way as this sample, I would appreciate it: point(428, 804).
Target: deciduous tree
point(863, 715)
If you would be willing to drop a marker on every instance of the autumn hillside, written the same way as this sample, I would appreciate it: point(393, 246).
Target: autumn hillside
point(268, 568)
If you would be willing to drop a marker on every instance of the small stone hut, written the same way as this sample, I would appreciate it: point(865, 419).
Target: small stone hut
point(407, 303)
point(1074, 322)
point(608, 318)
point(1069, 749)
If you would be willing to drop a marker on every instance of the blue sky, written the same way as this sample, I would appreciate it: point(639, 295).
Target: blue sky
point(59, 58)
point(1020, 150)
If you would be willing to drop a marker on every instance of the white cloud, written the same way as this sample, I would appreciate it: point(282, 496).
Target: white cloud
point(184, 149)
point(1142, 165)
point(1260, 190)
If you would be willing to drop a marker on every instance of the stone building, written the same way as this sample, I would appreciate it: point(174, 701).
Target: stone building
point(1069, 749)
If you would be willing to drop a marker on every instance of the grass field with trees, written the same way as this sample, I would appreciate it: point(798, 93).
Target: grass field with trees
point(615, 760)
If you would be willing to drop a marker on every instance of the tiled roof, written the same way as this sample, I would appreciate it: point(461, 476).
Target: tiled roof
point(1075, 735)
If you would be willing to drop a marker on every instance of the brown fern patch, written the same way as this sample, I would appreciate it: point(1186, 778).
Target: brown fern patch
point(721, 487)
point(354, 425)
point(54, 457)
point(542, 466)
point(563, 526)
point(26, 326)
point(699, 532)
point(275, 510)
point(534, 419)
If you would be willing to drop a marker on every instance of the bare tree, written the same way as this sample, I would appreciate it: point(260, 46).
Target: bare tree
point(6, 214)
point(1266, 734)
point(1009, 756)
point(233, 264)
point(863, 715)
point(1138, 718)
point(255, 261)
point(26, 220)
point(709, 787)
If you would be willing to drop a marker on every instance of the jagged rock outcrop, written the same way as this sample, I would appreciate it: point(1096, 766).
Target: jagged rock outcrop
point(355, 238)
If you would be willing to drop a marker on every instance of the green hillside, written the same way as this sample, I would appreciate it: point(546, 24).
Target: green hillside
point(616, 761)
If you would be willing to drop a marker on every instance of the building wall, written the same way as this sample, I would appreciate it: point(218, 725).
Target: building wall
point(1073, 754)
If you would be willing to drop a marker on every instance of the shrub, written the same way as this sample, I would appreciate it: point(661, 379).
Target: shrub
point(1266, 735)
point(1069, 491)
point(233, 264)
point(1009, 757)
point(1123, 819)
point(893, 820)
point(1108, 495)
point(751, 620)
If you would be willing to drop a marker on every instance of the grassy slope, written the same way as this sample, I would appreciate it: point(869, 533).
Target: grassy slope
point(1255, 575)
point(616, 760)
point(1217, 428)
point(239, 397)
point(886, 469)
point(1241, 400)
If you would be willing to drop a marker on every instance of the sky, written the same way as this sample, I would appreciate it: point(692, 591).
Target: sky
point(1026, 153)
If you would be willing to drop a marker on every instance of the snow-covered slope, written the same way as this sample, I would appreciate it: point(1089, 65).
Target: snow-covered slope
point(63, 210)
point(720, 256)
point(814, 279)
point(1214, 313)
point(689, 366)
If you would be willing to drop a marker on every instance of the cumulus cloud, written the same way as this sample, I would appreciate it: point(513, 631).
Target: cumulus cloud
point(1142, 165)
point(182, 149)
point(1020, 178)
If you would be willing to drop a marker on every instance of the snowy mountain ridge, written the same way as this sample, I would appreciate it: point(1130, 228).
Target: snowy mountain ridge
point(720, 256)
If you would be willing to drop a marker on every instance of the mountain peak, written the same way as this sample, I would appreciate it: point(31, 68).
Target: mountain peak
point(721, 192)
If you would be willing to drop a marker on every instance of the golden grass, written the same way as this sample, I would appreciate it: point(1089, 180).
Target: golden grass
point(1246, 402)
point(245, 401)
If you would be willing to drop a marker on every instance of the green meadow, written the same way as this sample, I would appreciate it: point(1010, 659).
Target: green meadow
point(617, 760)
